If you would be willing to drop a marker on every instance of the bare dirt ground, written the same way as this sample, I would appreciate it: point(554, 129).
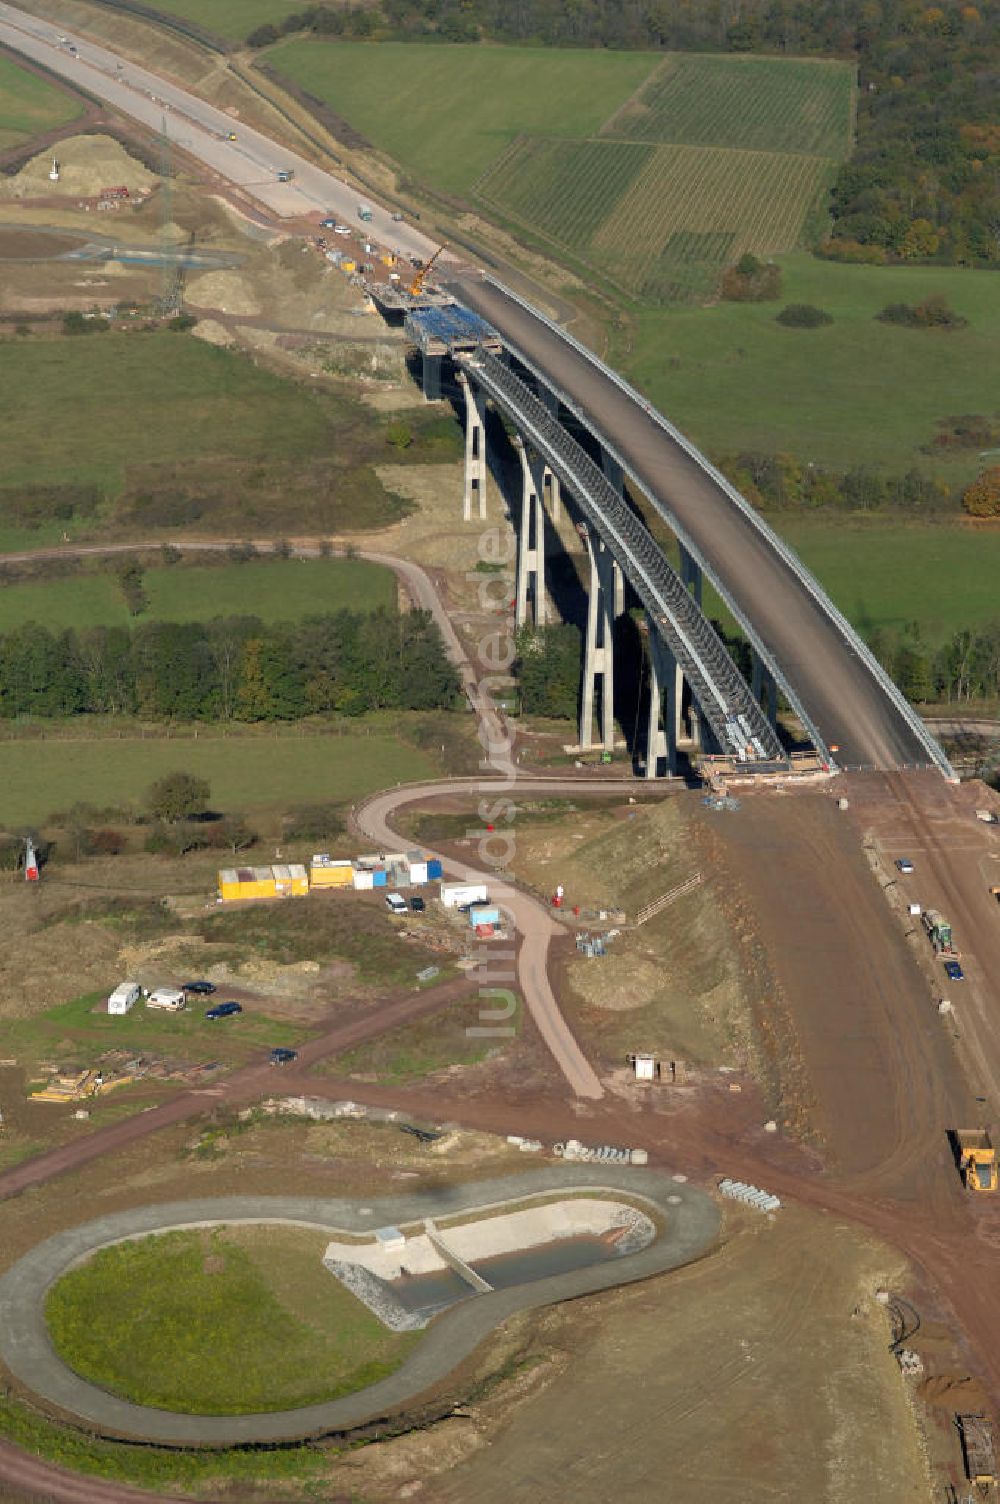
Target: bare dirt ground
point(885, 1085)
point(707, 1384)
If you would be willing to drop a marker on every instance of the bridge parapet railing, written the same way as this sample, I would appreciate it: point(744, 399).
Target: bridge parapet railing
point(787, 555)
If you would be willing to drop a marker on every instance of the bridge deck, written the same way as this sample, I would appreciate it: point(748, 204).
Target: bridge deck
point(846, 704)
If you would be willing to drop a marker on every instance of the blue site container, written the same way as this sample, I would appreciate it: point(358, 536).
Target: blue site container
point(381, 878)
point(434, 869)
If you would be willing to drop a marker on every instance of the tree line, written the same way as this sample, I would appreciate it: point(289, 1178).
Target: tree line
point(229, 669)
point(965, 667)
point(924, 182)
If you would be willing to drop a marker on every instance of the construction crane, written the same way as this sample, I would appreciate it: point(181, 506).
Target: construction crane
point(417, 285)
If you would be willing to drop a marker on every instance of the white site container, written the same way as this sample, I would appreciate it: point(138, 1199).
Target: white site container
point(363, 880)
point(170, 999)
point(124, 997)
point(453, 894)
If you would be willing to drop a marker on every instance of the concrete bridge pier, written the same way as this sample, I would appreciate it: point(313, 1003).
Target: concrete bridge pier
point(551, 481)
point(666, 688)
point(430, 376)
point(691, 574)
point(764, 689)
point(530, 544)
point(475, 450)
point(599, 643)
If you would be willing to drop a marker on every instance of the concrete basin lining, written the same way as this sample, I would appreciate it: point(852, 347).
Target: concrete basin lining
point(688, 1229)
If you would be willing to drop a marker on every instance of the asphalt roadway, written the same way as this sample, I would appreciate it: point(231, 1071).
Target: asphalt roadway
point(251, 162)
point(839, 693)
point(689, 1225)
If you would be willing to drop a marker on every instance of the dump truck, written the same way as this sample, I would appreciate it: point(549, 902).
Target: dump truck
point(977, 1159)
point(364, 213)
point(995, 890)
point(977, 1449)
point(939, 932)
point(988, 816)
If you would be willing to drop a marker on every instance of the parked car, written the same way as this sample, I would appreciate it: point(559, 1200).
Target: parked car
point(224, 1010)
point(397, 218)
point(905, 865)
point(954, 972)
point(342, 229)
point(200, 989)
point(417, 905)
point(327, 224)
point(282, 1056)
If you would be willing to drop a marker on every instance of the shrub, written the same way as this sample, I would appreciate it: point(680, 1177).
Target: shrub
point(982, 497)
point(935, 312)
point(751, 281)
point(313, 822)
point(107, 842)
point(852, 251)
point(178, 796)
point(803, 316)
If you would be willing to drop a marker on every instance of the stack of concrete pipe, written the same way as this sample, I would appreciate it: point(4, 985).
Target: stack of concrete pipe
point(604, 1154)
point(750, 1195)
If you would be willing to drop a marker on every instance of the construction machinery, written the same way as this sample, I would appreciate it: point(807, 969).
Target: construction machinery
point(977, 1449)
point(417, 285)
point(977, 1158)
point(995, 890)
point(939, 932)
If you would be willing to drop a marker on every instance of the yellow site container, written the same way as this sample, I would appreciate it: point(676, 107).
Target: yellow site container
point(239, 883)
point(331, 875)
point(388, 260)
point(348, 266)
point(290, 882)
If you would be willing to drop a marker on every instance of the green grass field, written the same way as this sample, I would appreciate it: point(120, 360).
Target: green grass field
point(75, 1033)
point(84, 409)
point(885, 574)
point(273, 589)
point(228, 1321)
point(854, 392)
point(30, 105)
point(755, 103)
point(445, 113)
point(244, 771)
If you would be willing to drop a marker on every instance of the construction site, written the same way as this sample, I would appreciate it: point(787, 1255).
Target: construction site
point(773, 995)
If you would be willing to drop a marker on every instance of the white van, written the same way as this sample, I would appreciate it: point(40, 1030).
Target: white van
point(124, 997)
point(170, 999)
point(395, 903)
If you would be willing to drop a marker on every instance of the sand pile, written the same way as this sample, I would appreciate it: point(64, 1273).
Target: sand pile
point(86, 165)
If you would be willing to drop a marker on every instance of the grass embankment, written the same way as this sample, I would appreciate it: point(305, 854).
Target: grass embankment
point(233, 20)
point(233, 1321)
point(273, 589)
point(854, 392)
point(29, 104)
point(281, 767)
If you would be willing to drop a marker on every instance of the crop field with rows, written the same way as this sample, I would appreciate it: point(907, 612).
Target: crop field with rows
point(660, 221)
point(765, 104)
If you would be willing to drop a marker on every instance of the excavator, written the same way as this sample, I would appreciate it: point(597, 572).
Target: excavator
point(417, 285)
